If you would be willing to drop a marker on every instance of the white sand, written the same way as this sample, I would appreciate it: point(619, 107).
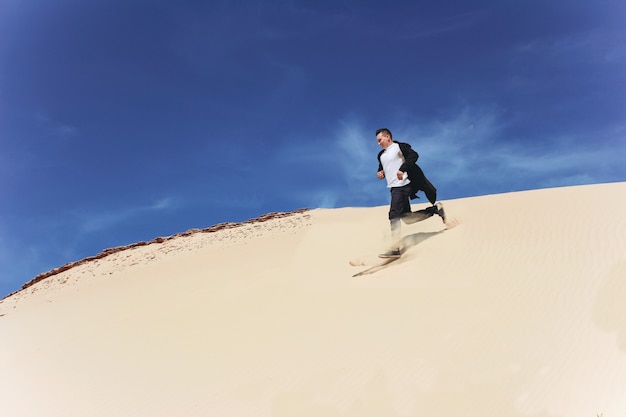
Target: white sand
point(518, 311)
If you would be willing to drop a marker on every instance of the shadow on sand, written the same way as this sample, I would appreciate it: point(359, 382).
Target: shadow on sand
point(417, 238)
point(406, 242)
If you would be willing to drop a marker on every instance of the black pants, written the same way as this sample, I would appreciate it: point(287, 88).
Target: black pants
point(400, 209)
point(400, 202)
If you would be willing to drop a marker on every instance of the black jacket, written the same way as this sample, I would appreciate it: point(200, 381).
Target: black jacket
point(419, 182)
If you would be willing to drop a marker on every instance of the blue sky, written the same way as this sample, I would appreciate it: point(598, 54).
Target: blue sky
point(121, 121)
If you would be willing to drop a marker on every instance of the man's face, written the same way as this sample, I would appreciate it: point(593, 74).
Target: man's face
point(384, 140)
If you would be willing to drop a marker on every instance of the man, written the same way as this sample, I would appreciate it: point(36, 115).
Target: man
point(397, 163)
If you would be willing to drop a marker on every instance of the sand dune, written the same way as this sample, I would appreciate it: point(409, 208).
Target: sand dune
point(520, 310)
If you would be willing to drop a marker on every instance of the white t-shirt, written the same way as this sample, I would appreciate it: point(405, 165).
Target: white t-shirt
point(391, 160)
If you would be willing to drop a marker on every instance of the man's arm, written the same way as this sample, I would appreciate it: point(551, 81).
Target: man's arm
point(410, 156)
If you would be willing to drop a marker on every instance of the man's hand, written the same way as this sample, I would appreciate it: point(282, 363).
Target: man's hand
point(380, 175)
point(400, 175)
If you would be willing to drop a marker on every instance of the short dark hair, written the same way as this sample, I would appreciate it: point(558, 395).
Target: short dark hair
point(385, 131)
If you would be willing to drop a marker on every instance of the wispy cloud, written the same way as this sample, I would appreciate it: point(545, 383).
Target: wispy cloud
point(356, 145)
point(472, 153)
point(55, 129)
point(484, 158)
point(580, 51)
point(93, 221)
point(356, 152)
point(449, 24)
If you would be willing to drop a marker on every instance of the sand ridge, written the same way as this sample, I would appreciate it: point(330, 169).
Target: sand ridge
point(122, 257)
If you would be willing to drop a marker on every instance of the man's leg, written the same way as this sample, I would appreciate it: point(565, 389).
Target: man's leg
point(418, 216)
point(399, 206)
point(396, 234)
point(394, 250)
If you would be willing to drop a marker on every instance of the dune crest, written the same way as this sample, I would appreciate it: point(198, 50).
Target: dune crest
point(190, 232)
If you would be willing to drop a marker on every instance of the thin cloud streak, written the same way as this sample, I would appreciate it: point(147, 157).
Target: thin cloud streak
point(468, 154)
point(94, 221)
point(465, 154)
point(451, 24)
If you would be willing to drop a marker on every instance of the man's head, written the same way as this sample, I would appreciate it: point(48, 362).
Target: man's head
point(384, 138)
